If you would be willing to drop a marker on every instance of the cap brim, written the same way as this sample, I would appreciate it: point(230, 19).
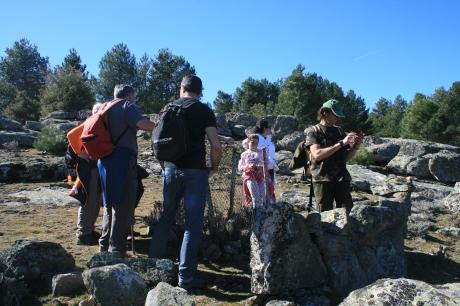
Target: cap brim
point(338, 113)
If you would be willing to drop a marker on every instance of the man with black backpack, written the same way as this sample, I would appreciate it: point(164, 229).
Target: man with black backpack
point(185, 174)
point(118, 170)
point(330, 149)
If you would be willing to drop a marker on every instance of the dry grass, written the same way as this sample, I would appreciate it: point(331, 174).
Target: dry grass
point(229, 281)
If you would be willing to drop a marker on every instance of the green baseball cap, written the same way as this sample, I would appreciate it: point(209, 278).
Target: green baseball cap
point(334, 105)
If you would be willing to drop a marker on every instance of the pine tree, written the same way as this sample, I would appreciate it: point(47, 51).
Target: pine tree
point(68, 90)
point(118, 66)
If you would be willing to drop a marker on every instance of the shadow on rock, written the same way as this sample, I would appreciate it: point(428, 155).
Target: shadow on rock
point(432, 269)
point(224, 283)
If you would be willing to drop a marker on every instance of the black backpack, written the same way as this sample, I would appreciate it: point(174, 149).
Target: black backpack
point(170, 137)
point(71, 159)
point(301, 157)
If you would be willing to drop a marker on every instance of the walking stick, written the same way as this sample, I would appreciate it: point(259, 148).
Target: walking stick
point(132, 239)
point(264, 169)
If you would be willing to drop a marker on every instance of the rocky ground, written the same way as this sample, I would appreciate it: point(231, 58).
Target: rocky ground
point(229, 282)
point(432, 246)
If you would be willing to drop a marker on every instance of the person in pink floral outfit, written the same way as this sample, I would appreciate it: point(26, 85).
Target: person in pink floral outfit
point(252, 165)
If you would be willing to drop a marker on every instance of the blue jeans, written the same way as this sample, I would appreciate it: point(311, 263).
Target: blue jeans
point(192, 185)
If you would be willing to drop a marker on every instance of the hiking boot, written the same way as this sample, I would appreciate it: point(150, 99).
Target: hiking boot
point(95, 234)
point(195, 283)
point(89, 239)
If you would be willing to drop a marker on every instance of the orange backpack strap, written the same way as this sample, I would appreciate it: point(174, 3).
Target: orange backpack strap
point(74, 138)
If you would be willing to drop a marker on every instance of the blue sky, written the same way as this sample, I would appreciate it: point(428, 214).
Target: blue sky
point(377, 48)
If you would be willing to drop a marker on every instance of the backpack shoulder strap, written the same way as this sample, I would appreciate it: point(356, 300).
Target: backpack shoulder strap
point(341, 132)
point(108, 105)
point(103, 111)
point(317, 129)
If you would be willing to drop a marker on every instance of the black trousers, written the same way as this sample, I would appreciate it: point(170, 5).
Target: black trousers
point(327, 192)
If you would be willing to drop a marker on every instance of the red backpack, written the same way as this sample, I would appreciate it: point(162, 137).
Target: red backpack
point(96, 140)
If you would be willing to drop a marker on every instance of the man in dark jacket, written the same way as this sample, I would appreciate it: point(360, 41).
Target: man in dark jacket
point(331, 148)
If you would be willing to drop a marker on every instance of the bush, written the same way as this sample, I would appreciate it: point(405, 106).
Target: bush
point(362, 157)
point(258, 110)
point(51, 140)
point(67, 91)
point(23, 108)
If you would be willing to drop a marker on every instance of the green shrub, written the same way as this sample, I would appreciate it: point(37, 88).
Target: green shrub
point(258, 110)
point(362, 157)
point(52, 140)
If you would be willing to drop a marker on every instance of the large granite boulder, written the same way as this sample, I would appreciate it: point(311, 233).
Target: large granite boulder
point(66, 126)
point(452, 201)
point(420, 147)
point(367, 245)
point(371, 140)
point(450, 231)
point(115, 285)
point(222, 125)
point(165, 294)
point(62, 125)
point(383, 150)
point(444, 166)
point(290, 141)
point(283, 126)
point(7, 124)
point(282, 252)
point(152, 270)
point(24, 139)
point(12, 290)
point(243, 119)
point(34, 125)
point(364, 179)
point(57, 196)
point(36, 262)
point(238, 131)
point(419, 224)
point(426, 160)
point(67, 284)
point(69, 115)
point(283, 158)
point(394, 186)
point(427, 196)
point(406, 292)
point(33, 169)
point(298, 199)
point(271, 119)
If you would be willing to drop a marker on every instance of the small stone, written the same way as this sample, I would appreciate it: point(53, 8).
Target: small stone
point(89, 302)
point(164, 294)
point(67, 284)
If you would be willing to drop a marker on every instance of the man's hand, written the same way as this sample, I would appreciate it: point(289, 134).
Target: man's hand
point(216, 148)
point(350, 138)
point(358, 140)
point(145, 124)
